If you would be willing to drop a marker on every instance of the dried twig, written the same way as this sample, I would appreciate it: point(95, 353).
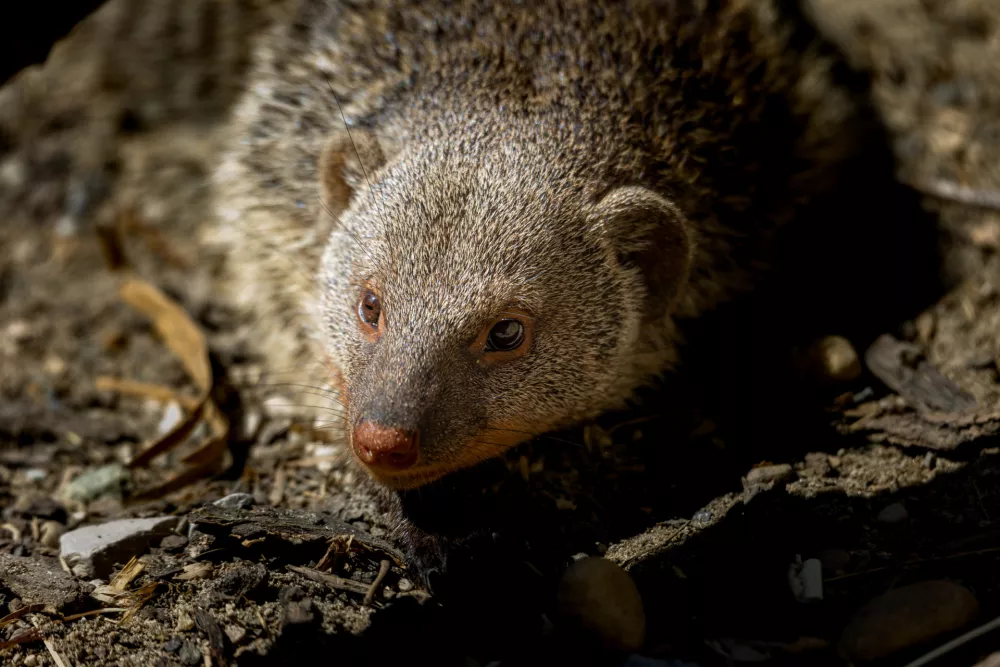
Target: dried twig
point(915, 561)
point(339, 545)
point(51, 647)
point(278, 489)
point(109, 239)
point(955, 643)
point(15, 532)
point(157, 392)
point(331, 580)
point(14, 615)
point(383, 569)
point(951, 191)
point(32, 635)
point(93, 612)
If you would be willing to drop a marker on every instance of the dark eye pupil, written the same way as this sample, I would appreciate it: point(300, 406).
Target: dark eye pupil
point(505, 336)
point(370, 309)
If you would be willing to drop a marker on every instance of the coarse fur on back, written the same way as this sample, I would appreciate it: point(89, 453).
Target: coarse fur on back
point(596, 171)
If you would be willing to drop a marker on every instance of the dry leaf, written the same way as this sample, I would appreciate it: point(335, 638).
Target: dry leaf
point(183, 337)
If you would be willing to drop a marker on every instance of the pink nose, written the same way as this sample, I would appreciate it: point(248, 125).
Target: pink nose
point(381, 447)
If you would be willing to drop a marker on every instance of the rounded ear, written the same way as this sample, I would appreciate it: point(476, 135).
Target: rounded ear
point(651, 234)
point(347, 163)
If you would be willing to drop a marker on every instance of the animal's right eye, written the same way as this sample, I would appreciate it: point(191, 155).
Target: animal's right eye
point(370, 309)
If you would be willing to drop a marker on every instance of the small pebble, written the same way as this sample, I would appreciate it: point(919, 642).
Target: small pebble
point(173, 542)
point(184, 622)
point(817, 464)
point(907, 616)
point(244, 580)
point(35, 474)
point(50, 532)
point(190, 654)
point(863, 395)
point(172, 645)
point(236, 633)
point(54, 365)
point(171, 417)
point(833, 359)
point(806, 580)
point(600, 597)
point(894, 513)
point(702, 516)
point(30, 661)
point(279, 407)
point(778, 474)
point(405, 584)
point(240, 501)
point(13, 173)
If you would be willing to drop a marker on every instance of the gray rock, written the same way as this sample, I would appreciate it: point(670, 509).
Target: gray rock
point(240, 501)
point(104, 481)
point(701, 516)
point(173, 543)
point(37, 581)
point(894, 513)
point(92, 551)
point(244, 580)
point(189, 654)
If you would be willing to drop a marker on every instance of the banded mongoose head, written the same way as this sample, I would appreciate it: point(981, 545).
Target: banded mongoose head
point(485, 288)
point(531, 197)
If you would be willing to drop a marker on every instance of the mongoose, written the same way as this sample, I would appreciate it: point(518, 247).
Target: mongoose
point(487, 220)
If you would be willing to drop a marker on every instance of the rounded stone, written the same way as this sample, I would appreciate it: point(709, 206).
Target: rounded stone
point(834, 359)
point(600, 598)
point(905, 617)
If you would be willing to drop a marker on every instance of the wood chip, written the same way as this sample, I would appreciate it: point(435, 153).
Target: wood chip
point(900, 366)
point(127, 575)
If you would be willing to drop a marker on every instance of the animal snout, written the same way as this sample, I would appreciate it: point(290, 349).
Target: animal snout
point(384, 447)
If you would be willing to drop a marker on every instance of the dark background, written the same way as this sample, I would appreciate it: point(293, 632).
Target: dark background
point(27, 40)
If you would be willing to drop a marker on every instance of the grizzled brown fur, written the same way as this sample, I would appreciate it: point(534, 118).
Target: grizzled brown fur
point(608, 168)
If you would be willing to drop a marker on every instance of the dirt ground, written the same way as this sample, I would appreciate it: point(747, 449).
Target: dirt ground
point(892, 476)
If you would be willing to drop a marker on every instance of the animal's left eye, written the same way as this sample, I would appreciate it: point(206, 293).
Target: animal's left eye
point(370, 309)
point(505, 336)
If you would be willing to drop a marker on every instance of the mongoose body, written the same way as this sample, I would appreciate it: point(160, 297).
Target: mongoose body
point(480, 221)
